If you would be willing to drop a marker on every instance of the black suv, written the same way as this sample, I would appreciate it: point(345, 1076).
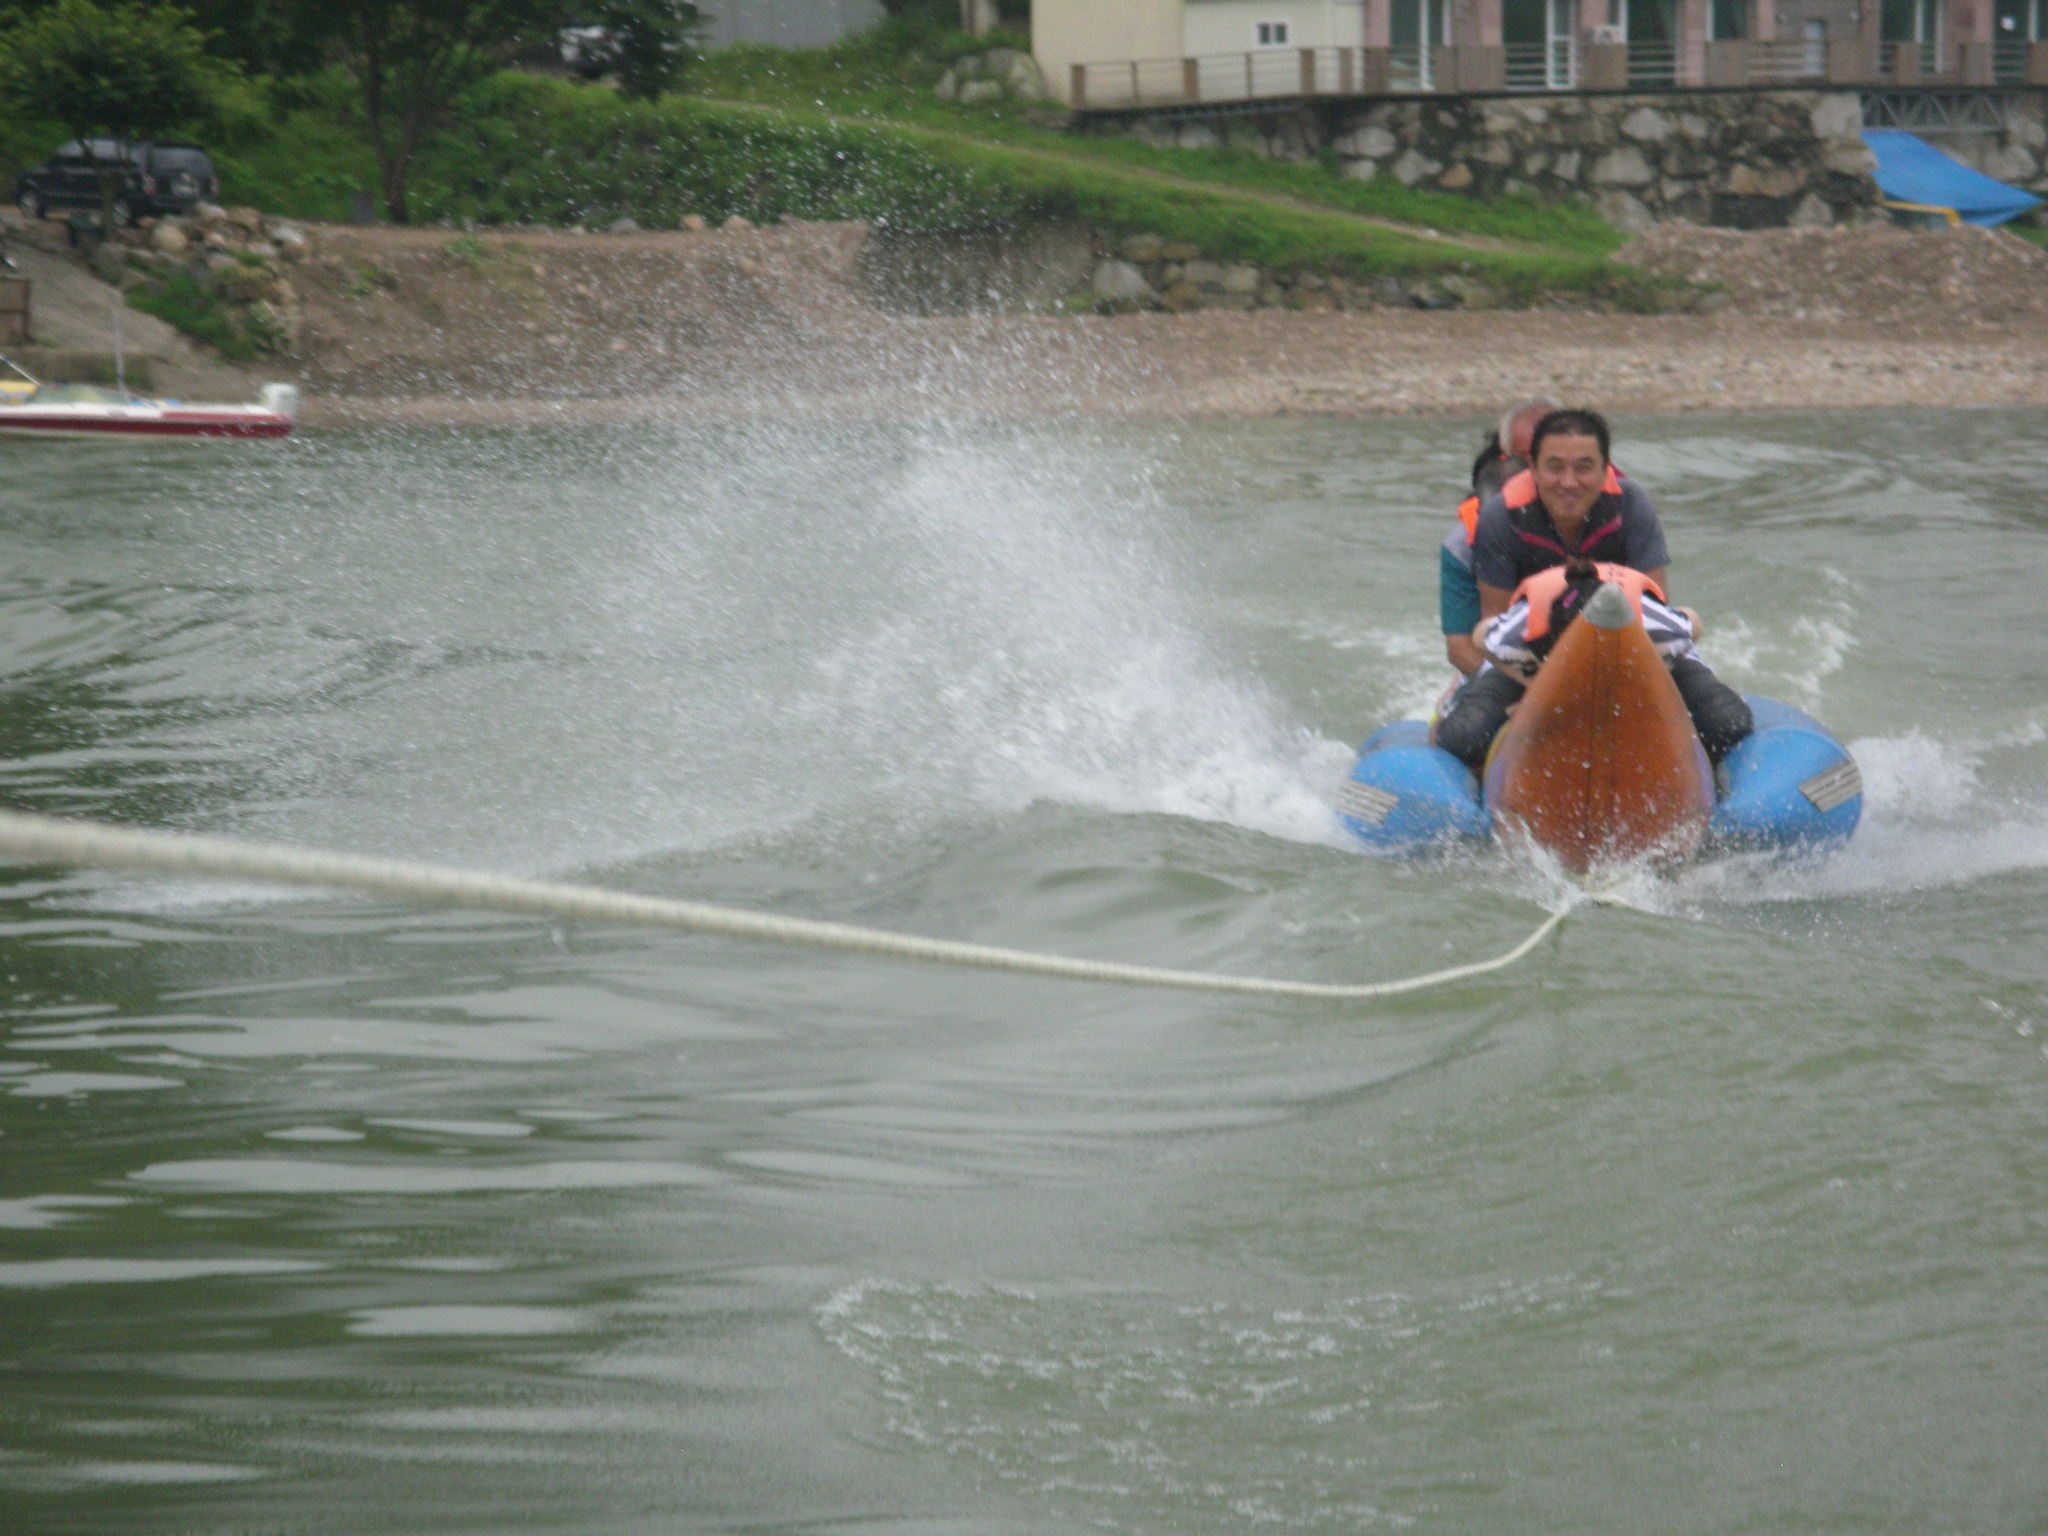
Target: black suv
point(155, 178)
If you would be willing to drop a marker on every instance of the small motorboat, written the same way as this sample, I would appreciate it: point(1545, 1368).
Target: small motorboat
point(31, 408)
point(1599, 766)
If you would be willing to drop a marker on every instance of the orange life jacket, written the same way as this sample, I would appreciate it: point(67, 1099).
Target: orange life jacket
point(1547, 586)
point(1520, 491)
point(1468, 514)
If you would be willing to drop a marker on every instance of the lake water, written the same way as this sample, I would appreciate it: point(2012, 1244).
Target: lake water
point(1727, 1211)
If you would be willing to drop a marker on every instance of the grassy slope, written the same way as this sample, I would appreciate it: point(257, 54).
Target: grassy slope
point(866, 78)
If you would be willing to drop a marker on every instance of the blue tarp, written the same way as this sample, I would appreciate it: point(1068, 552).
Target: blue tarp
point(1910, 170)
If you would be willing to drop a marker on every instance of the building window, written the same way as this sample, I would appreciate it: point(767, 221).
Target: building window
point(1270, 34)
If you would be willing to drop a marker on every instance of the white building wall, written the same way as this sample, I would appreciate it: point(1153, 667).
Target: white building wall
point(1069, 32)
point(785, 23)
point(1231, 26)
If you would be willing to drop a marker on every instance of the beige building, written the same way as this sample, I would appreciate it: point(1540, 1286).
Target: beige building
point(1065, 32)
point(1105, 52)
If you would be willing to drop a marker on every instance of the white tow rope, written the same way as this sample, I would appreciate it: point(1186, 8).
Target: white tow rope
point(45, 839)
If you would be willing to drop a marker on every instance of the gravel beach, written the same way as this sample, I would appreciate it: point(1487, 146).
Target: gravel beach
point(414, 325)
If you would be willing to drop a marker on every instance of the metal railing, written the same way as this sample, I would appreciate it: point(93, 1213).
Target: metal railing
point(1551, 66)
point(1652, 66)
point(1561, 64)
point(1786, 59)
point(1255, 73)
point(1408, 69)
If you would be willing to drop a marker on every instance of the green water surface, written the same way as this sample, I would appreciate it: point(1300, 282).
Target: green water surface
point(1727, 1212)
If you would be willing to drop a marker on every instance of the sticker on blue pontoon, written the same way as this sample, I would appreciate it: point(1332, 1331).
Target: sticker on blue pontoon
point(1837, 786)
point(1361, 802)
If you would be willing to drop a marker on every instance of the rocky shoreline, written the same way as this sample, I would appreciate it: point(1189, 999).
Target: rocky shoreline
point(547, 326)
point(237, 258)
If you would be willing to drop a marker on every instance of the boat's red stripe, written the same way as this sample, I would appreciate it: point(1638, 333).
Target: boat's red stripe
point(164, 426)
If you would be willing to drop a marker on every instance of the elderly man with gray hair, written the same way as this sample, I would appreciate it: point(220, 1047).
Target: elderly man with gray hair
point(1506, 454)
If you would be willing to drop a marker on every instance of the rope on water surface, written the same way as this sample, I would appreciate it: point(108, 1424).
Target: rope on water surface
point(47, 839)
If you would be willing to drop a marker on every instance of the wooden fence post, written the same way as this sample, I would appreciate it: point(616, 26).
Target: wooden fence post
point(1077, 84)
point(1191, 79)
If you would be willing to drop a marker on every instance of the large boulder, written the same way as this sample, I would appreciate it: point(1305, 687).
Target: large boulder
point(290, 240)
point(1848, 157)
point(1017, 71)
point(1646, 125)
point(1371, 142)
point(1120, 281)
point(1623, 211)
point(1413, 166)
point(1623, 167)
point(1812, 213)
point(1776, 181)
point(1838, 115)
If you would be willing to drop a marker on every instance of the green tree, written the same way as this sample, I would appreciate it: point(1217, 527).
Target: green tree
point(411, 58)
point(122, 72)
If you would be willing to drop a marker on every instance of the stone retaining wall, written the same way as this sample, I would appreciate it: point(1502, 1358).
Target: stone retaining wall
point(1742, 159)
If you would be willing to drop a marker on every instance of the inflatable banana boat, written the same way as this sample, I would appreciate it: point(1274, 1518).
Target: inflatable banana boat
point(1599, 765)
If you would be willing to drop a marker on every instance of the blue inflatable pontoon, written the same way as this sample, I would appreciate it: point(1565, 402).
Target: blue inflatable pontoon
point(1790, 785)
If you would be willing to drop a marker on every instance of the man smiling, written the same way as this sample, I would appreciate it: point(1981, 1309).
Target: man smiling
point(1569, 503)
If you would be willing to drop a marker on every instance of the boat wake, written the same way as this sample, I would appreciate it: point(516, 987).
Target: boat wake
point(1933, 820)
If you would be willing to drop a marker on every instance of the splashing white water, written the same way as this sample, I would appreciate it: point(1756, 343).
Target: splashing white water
point(703, 639)
point(1928, 823)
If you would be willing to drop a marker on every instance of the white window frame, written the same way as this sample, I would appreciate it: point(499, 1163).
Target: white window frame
point(1269, 34)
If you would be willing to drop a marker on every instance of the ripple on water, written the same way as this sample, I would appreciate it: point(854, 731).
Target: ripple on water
point(285, 1176)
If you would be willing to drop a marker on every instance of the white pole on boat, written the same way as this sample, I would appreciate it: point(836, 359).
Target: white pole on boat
point(120, 363)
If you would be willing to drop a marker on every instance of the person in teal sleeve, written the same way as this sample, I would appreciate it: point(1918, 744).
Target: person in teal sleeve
point(1506, 452)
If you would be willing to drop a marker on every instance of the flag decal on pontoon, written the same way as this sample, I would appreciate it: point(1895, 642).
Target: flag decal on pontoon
point(1361, 802)
point(1837, 786)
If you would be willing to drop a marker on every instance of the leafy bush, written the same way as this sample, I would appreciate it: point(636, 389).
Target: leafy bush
point(532, 150)
point(179, 299)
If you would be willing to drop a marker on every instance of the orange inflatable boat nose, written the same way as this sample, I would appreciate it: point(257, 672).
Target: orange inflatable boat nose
point(1599, 763)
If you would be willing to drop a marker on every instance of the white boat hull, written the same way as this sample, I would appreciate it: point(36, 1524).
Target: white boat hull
point(151, 419)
